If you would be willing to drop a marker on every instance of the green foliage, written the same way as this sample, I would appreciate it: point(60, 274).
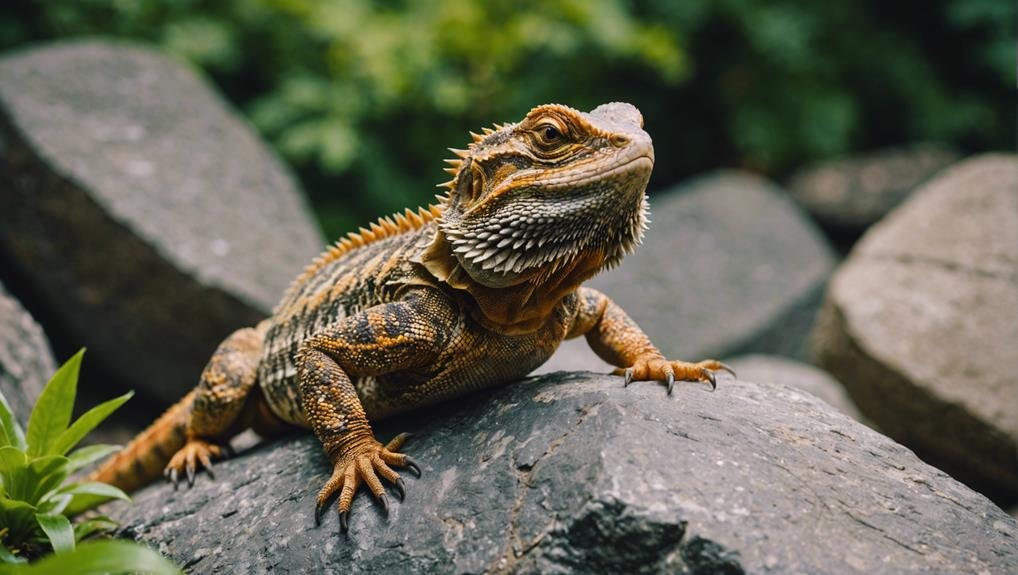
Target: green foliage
point(35, 500)
point(364, 95)
point(94, 557)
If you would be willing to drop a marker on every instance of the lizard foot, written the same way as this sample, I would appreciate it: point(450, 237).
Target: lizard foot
point(657, 368)
point(365, 465)
point(186, 461)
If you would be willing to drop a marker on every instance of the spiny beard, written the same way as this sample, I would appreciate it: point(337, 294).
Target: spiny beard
point(529, 233)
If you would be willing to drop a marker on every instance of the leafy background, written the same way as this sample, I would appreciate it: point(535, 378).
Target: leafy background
point(363, 96)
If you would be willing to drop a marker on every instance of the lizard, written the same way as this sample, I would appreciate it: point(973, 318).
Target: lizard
point(474, 291)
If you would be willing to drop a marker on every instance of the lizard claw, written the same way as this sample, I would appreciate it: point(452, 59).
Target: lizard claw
point(657, 368)
point(368, 465)
point(711, 379)
point(196, 454)
point(320, 506)
point(725, 367)
point(412, 466)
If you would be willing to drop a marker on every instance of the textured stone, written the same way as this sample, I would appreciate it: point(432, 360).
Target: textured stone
point(26, 362)
point(920, 325)
point(853, 193)
point(571, 472)
point(145, 214)
point(729, 265)
point(774, 369)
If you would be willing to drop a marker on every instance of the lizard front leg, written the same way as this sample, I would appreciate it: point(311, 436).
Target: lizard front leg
point(616, 338)
point(386, 338)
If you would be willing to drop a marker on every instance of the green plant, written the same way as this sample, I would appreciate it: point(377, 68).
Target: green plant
point(36, 501)
point(362, 96)
point(98, 557)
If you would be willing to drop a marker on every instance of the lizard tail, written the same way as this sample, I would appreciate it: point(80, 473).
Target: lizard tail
point(145, 457)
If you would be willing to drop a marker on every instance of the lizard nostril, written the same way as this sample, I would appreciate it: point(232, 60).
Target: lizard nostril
point(618, 140)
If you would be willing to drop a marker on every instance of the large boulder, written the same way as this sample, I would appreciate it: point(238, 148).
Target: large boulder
point(26, 362)
point(574, 473)
point(148, 217)
point(920, 324)
point(729, 263)
point(776, 369)
point(853, 193)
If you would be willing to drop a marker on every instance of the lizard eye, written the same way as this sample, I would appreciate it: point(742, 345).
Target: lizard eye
point(549, 135)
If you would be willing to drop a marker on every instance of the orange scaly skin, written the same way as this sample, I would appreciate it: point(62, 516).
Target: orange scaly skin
point(431, 305)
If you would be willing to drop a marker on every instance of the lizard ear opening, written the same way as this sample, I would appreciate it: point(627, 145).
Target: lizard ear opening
point(469, 183)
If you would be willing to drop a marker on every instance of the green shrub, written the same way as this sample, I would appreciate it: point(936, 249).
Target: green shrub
point(97, 557)
point(363, 96)
point(36, 501)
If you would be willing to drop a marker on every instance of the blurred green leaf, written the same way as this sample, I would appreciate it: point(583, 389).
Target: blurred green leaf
point(13, 466)
point(92, 526)
point(58, 531)
point(89, 494)
point(86, 423)
point(83, 456)
point(44, 474)
point(52, 411)
point(10, 432)
point(19, 519)
point(7, 557)
point(97, 557)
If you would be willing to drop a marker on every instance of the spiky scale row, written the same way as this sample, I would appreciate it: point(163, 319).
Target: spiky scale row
point(384, 227)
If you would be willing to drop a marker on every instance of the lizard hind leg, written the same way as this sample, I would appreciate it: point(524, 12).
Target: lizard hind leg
point(220, 399)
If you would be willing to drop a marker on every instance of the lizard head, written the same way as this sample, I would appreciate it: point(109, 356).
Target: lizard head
point(531, 199)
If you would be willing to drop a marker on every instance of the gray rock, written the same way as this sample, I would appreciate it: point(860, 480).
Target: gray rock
point(853, 193)
point(26, 362)
point(729, 265)
point(148, 217)
point(920, 325)
point(774, 369)
point(573, 473)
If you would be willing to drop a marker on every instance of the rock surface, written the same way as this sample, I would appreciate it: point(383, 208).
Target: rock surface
point(729, 266)
point(147, 216)
point(571, 472)
point(920, 324)
point(774, 369)
point(853, 193)
point(26, 362)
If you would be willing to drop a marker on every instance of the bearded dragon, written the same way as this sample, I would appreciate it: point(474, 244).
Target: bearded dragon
point(423, 307)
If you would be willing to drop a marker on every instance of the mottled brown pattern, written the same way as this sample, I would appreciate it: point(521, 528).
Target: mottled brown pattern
point(431, 305)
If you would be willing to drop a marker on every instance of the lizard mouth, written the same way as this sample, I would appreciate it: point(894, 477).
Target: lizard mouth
point(638, 166)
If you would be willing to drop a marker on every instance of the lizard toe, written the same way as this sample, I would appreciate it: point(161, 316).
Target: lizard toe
point(657, 368)
point(195, 455)
point(369, 465)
